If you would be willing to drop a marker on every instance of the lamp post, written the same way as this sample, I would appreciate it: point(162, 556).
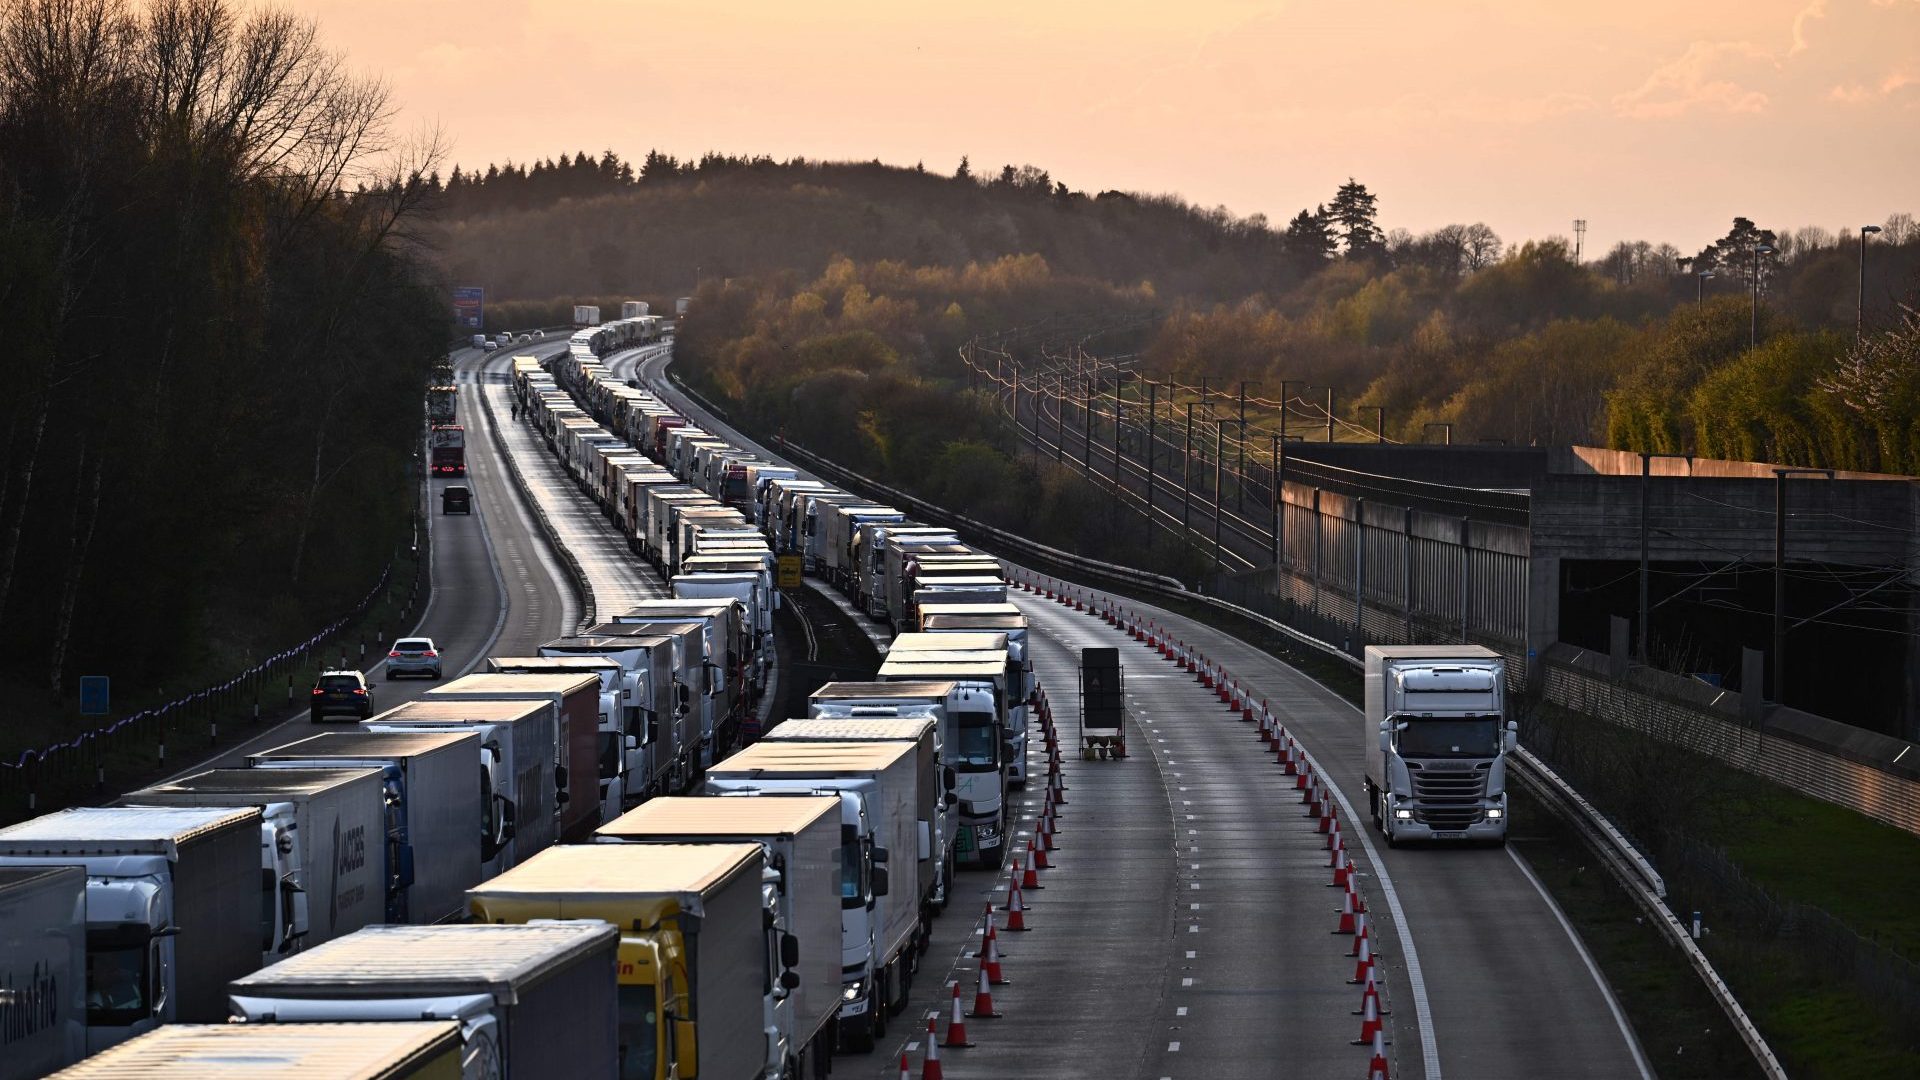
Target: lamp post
point(1700, 286)
point(1753, 326)
point(1860, 313)
point(1447, 432)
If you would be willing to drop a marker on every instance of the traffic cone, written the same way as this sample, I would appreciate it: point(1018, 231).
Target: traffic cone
point(906, 1070)
point(1037, 857)
point(1377, 1068)
point(1046, 833)
point(990, 963)
point(982, 1000)
point(1293, 757)
point(1059, 789)
point(1346, 916)
point(1342, 873)
point(1303, 775)
point(956, 1025)
point(1016, 913)
point(1369, 1022)
point(1246, 706)
point(1029, 874)
point(1363, 964)
point(930, 1065)
point(1359, 898)
point(1370, 992)
point(1334, 839)
point(990, 935)
point(1362, 936)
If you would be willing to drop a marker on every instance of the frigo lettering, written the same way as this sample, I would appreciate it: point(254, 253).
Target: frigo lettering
point(30, 1007)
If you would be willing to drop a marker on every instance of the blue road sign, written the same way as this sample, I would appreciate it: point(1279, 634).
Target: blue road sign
point(94, 695)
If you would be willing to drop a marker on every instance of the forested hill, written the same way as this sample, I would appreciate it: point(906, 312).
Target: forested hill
point(581, 226)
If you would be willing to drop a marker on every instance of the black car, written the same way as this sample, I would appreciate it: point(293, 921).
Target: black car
point(456, 499)
point(342, 692)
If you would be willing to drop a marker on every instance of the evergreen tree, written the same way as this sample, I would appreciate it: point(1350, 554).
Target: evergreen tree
point(1737, 255)
point(1309, 240)
point(965, 171)
point(1354, 210)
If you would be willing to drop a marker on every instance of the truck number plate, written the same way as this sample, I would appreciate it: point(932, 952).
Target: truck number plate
point(1449, 836)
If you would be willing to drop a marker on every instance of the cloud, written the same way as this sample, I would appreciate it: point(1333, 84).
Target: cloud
point(1711, 76)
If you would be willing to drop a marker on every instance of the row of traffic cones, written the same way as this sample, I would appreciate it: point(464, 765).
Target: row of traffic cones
point(1023, 877)
point(1294, 761)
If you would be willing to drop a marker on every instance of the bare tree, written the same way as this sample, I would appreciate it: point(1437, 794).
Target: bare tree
point(1479, 246)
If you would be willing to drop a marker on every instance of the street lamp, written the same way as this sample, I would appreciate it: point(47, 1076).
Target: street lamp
point(1860, 316)
point(1379, 422)
point(1700, 289)
point(1753, 326)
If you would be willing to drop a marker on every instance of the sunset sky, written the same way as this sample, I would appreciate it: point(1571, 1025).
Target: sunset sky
point(1651, 119)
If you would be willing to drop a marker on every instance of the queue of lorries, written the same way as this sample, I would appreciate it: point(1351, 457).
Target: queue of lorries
point(556, 865)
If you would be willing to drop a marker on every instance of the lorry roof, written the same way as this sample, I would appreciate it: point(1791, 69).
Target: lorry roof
point(971, 609)
point(113, 824)
point(431, 960)
point(665, 626)
point(712, 815)
point(923, 665)
point(718, 578)
point(371, 1051)
point(265, 784)
point(676, 607)
point(852, 729)
point(607, 641)
point(507, 664)
point(486, 709)
point(1433, 652)
point(487, 683)
point(854, 691)
point(925, 642)
point(367, 744)
point(607, 871)
point(947, 623)
point(802, 758)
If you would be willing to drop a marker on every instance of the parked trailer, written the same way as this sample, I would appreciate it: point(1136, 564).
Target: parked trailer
point(801, 838)
point(174, 907)
point(422, 1050)
point(693, 945)
point(433, 800)
point(43, 968)
point(319, 848)
point(576, 702)
point(517, 756)
point(530, 1000)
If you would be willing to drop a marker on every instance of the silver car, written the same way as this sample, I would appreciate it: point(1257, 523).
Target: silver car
point(413, 656)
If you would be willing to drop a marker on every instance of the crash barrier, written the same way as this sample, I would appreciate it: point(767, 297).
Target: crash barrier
point(139, 741)
point(576, 574)
point(1628, 866)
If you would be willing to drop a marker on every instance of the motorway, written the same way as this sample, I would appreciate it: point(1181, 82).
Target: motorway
point(1190, 933)
point(497, 588)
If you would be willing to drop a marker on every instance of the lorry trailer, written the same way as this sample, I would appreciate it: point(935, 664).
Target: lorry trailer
point(43, 968)
point(422, 1050)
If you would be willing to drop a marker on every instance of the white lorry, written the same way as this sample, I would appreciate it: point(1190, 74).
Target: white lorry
point(801, 838)
point(520, 812)
point(174, 907)
point(320, 849)
point(885, 778)
point(1022, 688)
point(1437, 737)
point(976, 711)
point(527, 998)
point(433, 797)
point(618, 751)
point(43, 969)
point(652, 709)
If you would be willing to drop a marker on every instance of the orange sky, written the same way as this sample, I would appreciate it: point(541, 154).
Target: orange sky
point(1652, 119)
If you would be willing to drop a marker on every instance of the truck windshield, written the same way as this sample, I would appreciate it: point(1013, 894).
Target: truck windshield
point(116, 982)
point(977, 749)
point(1467, 736)
point(639, 1033)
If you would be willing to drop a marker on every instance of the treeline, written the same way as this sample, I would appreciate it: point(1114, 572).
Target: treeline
point(215, 357)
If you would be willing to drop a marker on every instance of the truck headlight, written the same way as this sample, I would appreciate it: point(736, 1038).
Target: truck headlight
point(854, 991)
point(987, 832)
point(1496, 814)
point(1403, 815)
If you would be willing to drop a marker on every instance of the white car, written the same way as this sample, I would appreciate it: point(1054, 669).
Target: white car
point(480, 341)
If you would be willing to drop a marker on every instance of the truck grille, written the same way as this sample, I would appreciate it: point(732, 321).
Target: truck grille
point(1447, 798)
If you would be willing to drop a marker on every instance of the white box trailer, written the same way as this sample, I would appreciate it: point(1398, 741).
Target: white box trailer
point(319, 846)
point(976, 708)
point(434, 793)
point(517, 740)
point(649, 707)
point(886, 777)
point(174, 907)
point(586, 315)
point(838, 549)
point(421, 1050)
point(43, 968)
point(729, 656)
point(694, 944)
point(803, 846)
point(617, 752)
point(527, 998)
point(633, 309)
point(937, 788)
point(576, 700)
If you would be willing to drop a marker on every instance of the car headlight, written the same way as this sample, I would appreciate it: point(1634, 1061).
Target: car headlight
point(1496, 814)
point(1403, 815)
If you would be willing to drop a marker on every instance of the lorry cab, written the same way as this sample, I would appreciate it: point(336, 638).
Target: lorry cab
point(1437, 741)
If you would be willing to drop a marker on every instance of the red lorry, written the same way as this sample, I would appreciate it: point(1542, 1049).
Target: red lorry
point(448, 443)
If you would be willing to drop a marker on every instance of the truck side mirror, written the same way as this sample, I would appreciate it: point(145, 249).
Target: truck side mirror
point(790, 980)
point(297, 913)
point(1386, 739)
point(632, 743)
point(949, 778)
point(1513, 736)
point(880, 856)
point(879, 881)
point(508, 813)
point(789, 951)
